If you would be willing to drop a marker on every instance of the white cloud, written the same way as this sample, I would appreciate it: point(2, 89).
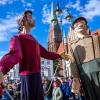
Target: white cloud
point(10, 14)
point(46, 14)
point(27, 4)
point(7, 27)
point(75, 5)
point(24, 1)
point(4, 2)
point(91, 9)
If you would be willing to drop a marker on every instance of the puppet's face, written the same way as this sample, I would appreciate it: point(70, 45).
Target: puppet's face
point(29, 20)
point(80, 27)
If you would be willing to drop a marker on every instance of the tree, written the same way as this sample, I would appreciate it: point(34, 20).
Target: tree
point(57, 67)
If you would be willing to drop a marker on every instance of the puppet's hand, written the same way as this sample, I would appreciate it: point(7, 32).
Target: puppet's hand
point(66, 56)
point(1, 77)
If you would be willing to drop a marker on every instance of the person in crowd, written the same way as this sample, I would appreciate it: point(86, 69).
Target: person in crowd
point(65, 88)
point(75, 88)
point(18, 91)
point(56, 93)
point(6, 93)
point(47, 89)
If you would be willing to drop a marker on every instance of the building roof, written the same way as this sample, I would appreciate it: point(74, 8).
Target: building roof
point(96, 32)
point(61, 48)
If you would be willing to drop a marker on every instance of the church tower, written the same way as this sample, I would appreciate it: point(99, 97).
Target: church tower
point(55, 32)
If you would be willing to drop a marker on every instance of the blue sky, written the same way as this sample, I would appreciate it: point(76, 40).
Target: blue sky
point(11, 9)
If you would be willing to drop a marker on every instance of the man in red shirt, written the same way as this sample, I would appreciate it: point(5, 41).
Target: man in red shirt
point(25, 50)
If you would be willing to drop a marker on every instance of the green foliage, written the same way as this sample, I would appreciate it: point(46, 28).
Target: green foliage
point(57, 63)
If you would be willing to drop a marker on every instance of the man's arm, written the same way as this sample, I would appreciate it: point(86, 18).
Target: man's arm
point(48, 55)
point(13, 57)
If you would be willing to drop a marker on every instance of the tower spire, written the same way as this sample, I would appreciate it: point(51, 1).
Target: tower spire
point(58, 9)
point(53, 13)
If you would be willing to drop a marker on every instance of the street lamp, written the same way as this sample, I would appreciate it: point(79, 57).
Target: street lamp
point(68, 18)
point(59, 11)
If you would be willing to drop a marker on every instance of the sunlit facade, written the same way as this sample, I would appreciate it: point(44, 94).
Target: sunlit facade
point(46, 68)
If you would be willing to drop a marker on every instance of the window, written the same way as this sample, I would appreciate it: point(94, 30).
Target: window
point(48, 62)
point(42, 62)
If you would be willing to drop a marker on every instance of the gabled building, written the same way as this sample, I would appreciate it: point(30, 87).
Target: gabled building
point(46, 68)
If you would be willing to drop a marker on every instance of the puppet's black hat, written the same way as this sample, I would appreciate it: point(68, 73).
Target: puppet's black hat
point(78, 19)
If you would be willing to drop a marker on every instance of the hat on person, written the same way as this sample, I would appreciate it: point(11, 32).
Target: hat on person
point(77, 20)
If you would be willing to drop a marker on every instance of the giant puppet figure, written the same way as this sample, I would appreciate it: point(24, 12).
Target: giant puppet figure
point(85, 50)
point(25, 50)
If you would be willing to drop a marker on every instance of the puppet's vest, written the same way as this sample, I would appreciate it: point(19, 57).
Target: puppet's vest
point(87, 51)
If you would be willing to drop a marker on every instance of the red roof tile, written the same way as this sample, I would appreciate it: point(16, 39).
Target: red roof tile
point(60, 49)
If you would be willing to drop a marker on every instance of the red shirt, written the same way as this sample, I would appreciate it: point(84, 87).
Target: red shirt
point(25, 50)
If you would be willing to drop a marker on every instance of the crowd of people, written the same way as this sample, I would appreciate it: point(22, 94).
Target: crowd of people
point(10, 91)
point(56, 89)
point(63, 89)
